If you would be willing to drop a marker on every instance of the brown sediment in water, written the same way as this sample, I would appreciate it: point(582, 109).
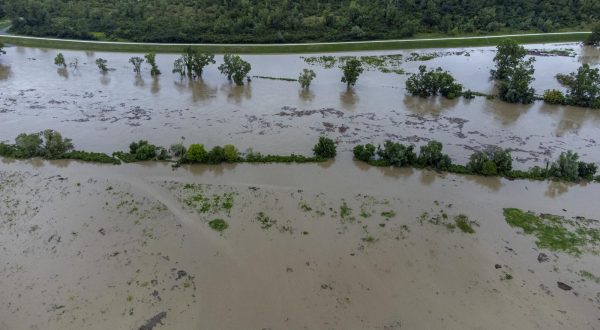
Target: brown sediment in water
point(335, 245)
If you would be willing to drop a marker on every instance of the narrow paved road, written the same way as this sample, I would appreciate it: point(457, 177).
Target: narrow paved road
point(292, 44)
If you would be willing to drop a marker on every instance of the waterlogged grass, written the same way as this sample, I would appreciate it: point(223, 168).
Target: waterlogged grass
point(346, 212)
point(556, 233)
point(275, 78)
point(388, 214)
point(590, 276)
point(218, 224)
point(463, 223)
point(209, 204)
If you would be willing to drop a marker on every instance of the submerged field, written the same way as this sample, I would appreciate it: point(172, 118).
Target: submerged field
point(334, 245)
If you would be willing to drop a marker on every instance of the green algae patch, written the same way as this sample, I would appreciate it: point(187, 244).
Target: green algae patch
point(557, 233)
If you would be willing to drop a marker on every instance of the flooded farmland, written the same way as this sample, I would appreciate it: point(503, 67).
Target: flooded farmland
point(335, 245)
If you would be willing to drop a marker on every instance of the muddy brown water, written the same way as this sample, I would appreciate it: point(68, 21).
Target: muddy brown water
point(101, 246)
point(105, 112)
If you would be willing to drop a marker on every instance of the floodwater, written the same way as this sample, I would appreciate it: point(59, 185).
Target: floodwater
point(105, 112)
point(334, 245)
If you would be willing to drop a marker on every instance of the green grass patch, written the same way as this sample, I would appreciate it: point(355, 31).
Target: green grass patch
point(463, 223)
point(555, 232)
point(345, 211)
point(265, 221)
point(218, 225)
point(388, 214)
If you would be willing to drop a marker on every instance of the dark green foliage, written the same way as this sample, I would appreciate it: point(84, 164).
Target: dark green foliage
point(235, 68)
point(433, 82)
point(177, 150)
point(192, 63)
point(54, 145)
point(196, 154)
point(306, 77)
point(583, 87)
point(136, 61)
point(325, 148)
point(568, 167)
point(491, 162)
point(60, 60)
point(594, 38)
point(216, 155)
point(554, 96)
point(509, 54)
point(431, 156)
point(231, 153)
point(94, 157)
point(364, 153)
point(218, 224)
point(515, 87)
point(151, 59)
point(101, 63)
point(274, 21)
point(351, 70)
point(142, 151)
point(396, 154)
point(28, 145)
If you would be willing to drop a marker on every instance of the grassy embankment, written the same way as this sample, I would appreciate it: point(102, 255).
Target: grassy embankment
point(424, 42)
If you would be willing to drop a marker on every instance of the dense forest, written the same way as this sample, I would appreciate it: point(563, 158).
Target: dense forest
point(288, 20)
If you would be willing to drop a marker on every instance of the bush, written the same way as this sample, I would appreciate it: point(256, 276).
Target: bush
point(216, 155)
point(231, 153)
point(587, 170)
point(431, 156)
point(364, 152)
point(430, 83)
point(566, 167)
point(95, 157)
point(481, 162)
point(325, 148)
point(28, 145)
point(554, 96)
point(196, 154)
point(396, 154)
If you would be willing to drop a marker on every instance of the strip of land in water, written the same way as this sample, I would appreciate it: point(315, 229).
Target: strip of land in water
point(450, 42)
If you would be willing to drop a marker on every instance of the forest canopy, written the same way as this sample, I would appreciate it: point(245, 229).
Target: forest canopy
point(251, 21)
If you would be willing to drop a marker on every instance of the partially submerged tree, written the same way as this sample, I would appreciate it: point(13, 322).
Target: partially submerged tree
point(516, 85)
point(433, 82)
point(491, 162)
point(192, 63)
point(136, 61)
point(60, 60)
point(351, 71)
point(235, 68)
point(583, 87)
point(306, 77)
point(101, 63)
point(509, 54)
point(151, 59)
point(325, 148)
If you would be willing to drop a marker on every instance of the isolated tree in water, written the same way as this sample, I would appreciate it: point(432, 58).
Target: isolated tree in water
point(192, 63)
point(515, 87)
point(101, 63)
point(351, 69)
point(509, 54)
point(235, 68)
point(306, 77)
point(136, 61)
point(151, 59)
point(60, 60)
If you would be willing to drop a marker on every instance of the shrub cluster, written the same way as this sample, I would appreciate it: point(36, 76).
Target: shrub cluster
point(492, 162)
point(49, 144)
point(433, 82)
point(141, 151)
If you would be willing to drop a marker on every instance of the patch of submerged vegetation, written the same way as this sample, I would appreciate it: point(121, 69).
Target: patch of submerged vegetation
point(265, 221)
point(491, 162)
point(382, 63)
point(346, 212)
point(461, 221)
point(211, 204)
point(218, 225)
point(556, 233)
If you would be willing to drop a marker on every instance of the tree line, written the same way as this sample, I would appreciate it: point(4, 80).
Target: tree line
point(252, 21)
